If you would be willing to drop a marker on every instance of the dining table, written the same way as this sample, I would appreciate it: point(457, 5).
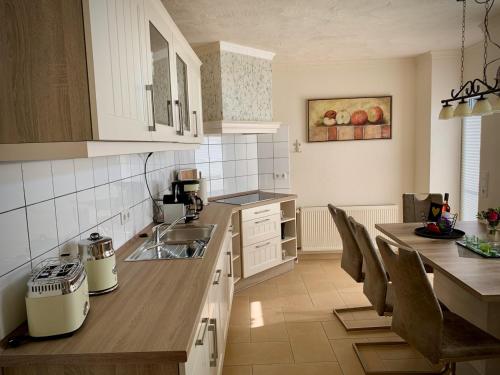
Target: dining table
point(464, 281)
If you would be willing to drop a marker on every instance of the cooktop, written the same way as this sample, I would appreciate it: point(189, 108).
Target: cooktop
point(248, 198)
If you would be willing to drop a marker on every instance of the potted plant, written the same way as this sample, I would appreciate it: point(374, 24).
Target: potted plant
point(492, 217)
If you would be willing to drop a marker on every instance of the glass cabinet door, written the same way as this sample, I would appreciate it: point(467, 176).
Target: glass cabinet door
point(161, 92)
point(183, 96)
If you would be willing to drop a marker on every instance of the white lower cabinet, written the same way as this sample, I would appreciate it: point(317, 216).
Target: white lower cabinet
point(261, 256)
point(261, 229)
point(207, 352)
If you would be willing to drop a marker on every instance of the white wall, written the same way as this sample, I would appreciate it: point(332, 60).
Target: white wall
point(349, 172)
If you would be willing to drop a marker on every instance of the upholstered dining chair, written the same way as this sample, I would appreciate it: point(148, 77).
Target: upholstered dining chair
point(438, 334)
point(414, 208)
point(379, 290)
point(352, 263)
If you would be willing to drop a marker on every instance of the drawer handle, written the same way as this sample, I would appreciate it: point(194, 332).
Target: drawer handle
point(181, 118)
point(215, 354)
point(261, 221)
point(260, 212)
point(265, 244)
point(196, 122)
point(230, 274)
point(152, 128)
point(218, 273)
point(202, 340)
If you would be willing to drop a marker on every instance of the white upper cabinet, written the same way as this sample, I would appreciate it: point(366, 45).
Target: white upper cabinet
point(146, 76)
point(118, 60)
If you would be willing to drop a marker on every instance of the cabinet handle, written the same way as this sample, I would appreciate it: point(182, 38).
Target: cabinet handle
point(230, 274)
point(215, 354)
point(202, 340)
point(218, 273)
point(170, 112)
point(261, 212)
point(181, 122)
point(195, 123)
point(152, 128)
point(265, 244)
point(261, 221)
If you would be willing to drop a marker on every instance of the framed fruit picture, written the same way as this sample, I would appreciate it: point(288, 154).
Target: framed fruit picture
point(349, 119)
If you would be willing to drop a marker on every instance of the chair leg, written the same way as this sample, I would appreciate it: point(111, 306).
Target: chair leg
point(453, 368)
point(349, 328)
point(358, 348)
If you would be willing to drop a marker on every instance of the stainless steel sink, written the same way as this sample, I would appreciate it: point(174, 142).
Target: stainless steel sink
point(184, 241)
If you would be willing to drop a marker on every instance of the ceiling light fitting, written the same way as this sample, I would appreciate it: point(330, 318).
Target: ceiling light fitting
point(487, 95)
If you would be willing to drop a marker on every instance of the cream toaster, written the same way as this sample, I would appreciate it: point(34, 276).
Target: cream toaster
point(57, 300)
point(98, 257)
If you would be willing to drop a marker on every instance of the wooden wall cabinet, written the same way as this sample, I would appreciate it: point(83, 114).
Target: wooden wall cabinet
point(86, 71)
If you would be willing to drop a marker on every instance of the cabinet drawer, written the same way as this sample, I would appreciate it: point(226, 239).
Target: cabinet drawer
point(261, 229)
point(261, 211)
point(261, 256)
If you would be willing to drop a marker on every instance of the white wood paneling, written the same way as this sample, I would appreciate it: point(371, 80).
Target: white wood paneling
point(261, 256)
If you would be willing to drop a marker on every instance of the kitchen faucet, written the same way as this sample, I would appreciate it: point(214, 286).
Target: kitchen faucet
point(157, 228)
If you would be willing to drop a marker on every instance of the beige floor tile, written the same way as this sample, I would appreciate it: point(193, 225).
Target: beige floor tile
point(346, 356)
point(309, 343)
point(307, 314)
point(238, 334)
point(292, 289)
point(307, 266)
point(298, 369)
point(260, 353)
point(240, 311)
point(268, 325)
point(237, 370)
point(354, 299)
point(266, 288)
point(329, 298)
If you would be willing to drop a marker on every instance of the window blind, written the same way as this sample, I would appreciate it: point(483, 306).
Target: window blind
point(471, 148)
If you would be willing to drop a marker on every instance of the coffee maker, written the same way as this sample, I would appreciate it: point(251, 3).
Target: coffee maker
point(186, 192)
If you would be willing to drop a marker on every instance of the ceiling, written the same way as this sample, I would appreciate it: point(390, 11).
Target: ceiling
point(327, 30)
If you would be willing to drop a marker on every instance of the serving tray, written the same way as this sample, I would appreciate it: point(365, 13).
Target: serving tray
point(491, 254)
point(453, 235)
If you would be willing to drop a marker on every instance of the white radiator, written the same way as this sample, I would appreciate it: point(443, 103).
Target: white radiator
point(319, 233)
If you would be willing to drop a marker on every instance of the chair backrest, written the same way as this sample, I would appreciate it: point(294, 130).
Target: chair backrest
point(417, 316)
point(414, 208)
point(375, 282)
point(352, 260)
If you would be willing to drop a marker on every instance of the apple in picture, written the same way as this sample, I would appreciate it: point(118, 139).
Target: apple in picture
point(331, 114)
point(375, 115)
point(343, 118)
point(359, 117)
point(329, 121)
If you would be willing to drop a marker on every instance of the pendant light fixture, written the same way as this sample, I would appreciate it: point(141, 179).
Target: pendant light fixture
point(487, 95)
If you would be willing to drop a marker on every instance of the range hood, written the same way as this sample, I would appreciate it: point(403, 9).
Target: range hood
point(236, 87)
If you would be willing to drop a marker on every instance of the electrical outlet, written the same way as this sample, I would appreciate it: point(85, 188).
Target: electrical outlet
point(124, 217)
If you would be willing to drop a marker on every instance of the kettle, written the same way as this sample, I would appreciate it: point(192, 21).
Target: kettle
point(98, 257)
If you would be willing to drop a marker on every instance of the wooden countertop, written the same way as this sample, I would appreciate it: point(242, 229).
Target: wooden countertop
point(150, 318)
point(480, 276)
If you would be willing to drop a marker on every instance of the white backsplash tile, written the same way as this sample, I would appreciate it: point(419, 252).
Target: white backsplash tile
point(251, 138)
point(15, 250)
point(252, 151)
point(115, 197)
point(87, 216)
point(102, 203)
point(228, 169)
point(118, 232)
point(266, 165)
point(37, 177)
point(241, 168)
point(100, 166)
point(228, 152)
point(84, 174)
point(266, 181)
point(216, 171)
point(70, 247)
point(241, 183)
point(214, 139)
point(281, 165)
point(67, 217)
point(125, 170)
point(137, 164)
point(240, 151)
point(127, 191)
point(264, 138)
point(42, 227)
point(265, 150)
point(229, 185)
point(281, 150)
point(138, 187)
point(11, 186)
point(240, 138)
point(114, 168)
point(253, 182)
point(204, 168)
point(215, 152)
point(227, 138)
point(282, 134)
point(201, 154)
point(252, 166)
point(63, 176)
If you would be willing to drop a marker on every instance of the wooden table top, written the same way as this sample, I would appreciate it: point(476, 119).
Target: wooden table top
point(478, 275)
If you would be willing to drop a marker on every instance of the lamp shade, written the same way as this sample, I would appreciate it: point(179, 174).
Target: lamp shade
point(495, 103)
point(482, 107)
point(462, 110)
point(446, 112)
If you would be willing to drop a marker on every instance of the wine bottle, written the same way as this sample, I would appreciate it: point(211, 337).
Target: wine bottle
point(446, 206)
